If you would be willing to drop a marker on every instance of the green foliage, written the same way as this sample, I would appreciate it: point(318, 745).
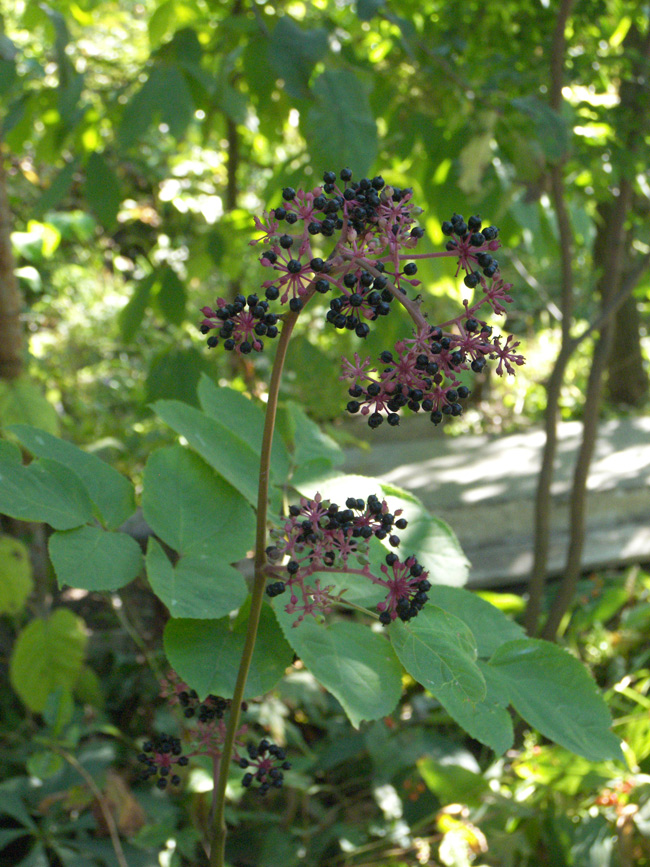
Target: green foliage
point(340, 128)
point(246, 419)
point(554, 693)
point(48, 654)
point(206, 653)
point(91, 558)
point(354, 664)
point(197, 586)
point(194, 510)
point(225, 451)
point(21, 401)
point(438, 650)
point(16, 581)
point(102, 191)
point(46, 490)
point(110, 492)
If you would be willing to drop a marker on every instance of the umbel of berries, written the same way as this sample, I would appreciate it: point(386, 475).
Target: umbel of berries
point(354, 242)
point(265, 764)
point(160, 758)
point(319, 536)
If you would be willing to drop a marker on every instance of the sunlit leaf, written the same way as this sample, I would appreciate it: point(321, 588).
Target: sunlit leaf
point(356, 665)
point(48, 653)
point(554, 692)
point(438, 649)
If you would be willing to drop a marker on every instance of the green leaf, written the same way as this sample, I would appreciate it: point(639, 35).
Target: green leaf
point(8, 835)
point(244, 418)
point(550, 128)
point(58, 710)
point(88, 689)
point(94, 559)
point(293, 53)
point(12, 793)
point(431, 540)
point(436, 649)
point(175, 373)
point(131, 315)
point(48, 653)
point(44, 764)
point(489, 626)
point(555, 694)
point(102, 191)
point(193, 509)
point(476, 154)
point(43, 491)
point(16, 582)
point(355, 664)
point(309, 363)
point(309, 441)
point(170, 16)
point(37, 857)
point(197, 586)
point(171, 297)
point(488, 720)
point(21, 402)
point(57, 190)
point(206, 654)
point(367, 9)
point(110, 491)
point(340, 129)
point(164, 95)
point(453, 784)
point(229, 455)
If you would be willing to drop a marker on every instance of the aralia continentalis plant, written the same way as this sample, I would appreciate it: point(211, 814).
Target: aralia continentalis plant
point(356, 243)
point(339, 544)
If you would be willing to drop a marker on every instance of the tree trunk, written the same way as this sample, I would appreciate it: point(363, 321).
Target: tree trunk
point(627, 380)
point(11, 333)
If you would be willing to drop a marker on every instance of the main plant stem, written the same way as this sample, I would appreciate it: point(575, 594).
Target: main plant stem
point(219, 830)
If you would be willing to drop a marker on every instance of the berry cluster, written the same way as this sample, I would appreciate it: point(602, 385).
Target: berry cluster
point(212, 708)
point(372, 219)
point(373, 229)
point(424, 372)
point(267, 761)
point(319, 536)
point(207, 737)
point(367, 216)
point(407, 589)
point(159, 757)
point(318, 532)
point(240, 328)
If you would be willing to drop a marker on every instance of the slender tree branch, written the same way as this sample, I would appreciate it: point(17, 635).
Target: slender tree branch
point(101, 800)
point(11, 334)
point(612, 295)
point(542, 528)
point(614, 230)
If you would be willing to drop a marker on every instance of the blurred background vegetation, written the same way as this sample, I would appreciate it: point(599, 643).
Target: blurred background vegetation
point(138, 140)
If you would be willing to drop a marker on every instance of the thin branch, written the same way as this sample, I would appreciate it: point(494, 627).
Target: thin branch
point(611, 293)
point(11, 332)
point(542, 529)
point(101, 800)
point(611, 274)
